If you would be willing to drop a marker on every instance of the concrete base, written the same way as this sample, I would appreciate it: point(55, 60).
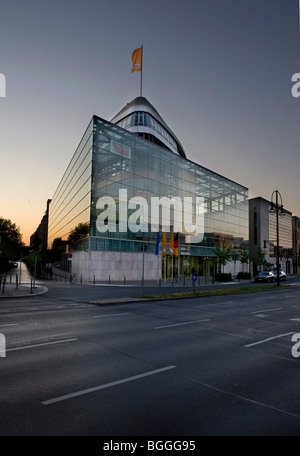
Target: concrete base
point(101, 265)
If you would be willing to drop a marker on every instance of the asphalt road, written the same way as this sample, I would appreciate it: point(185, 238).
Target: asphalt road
point(213, 366)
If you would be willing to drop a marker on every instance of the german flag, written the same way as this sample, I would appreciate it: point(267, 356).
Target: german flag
point(176, 244)
point(171, 244)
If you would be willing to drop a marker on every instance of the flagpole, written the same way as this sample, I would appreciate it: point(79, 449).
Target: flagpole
point(178, 257)
point(141, 74)
point(158, 264)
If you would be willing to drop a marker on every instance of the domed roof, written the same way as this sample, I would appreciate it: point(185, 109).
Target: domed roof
point(141, 118)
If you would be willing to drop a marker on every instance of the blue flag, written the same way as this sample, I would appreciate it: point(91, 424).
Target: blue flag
point(157, 243)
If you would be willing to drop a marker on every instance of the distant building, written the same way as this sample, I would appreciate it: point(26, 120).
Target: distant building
point(296, 244)
point(39, 239)
point(262, 235)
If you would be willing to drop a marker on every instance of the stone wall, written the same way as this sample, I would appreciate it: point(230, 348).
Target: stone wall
point(102, 265)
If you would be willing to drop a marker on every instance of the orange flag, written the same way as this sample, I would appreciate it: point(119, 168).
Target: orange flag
point(137, 59)
point(171, 244)
point(164, 240)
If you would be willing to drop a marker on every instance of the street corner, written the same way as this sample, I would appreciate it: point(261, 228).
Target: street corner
point(22, 291)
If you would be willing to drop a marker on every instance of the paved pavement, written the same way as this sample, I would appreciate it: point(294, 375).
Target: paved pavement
point(111, 293)
point(11, 290)
point(25, 290)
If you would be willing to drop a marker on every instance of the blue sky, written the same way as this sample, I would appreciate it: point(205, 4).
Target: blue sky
point(218, 72)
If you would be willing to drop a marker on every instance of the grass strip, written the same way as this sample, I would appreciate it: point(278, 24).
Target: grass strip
point(219, 291)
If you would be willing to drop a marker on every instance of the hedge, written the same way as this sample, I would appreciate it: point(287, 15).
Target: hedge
point(223, 277)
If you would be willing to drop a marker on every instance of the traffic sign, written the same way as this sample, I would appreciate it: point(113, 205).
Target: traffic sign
point(194, 277)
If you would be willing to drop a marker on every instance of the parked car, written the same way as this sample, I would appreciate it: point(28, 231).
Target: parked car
point(282, 275)
point(265, 276)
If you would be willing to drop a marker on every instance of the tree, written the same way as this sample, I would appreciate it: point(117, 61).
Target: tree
point(59, 244)
point(10, 239)
point(244, 256)
point(223, 253)
point(258, 258)
point(80, 231)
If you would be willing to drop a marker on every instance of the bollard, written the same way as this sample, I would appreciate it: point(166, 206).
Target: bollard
point(10, 278)
point(94, 279)
point(108, 279)
point(159, 283)
point(31, 290)
point(81, 278)
point(124, 280)
point(3, 287)
point(65, 278)
point(17, 281)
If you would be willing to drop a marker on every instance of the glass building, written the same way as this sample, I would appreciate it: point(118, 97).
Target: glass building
point(138, 154)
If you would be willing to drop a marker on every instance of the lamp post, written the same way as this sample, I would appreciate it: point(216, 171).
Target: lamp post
point(278, 210)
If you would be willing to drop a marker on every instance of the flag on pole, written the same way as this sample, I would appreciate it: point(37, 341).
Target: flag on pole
point(171, 244)
point(164, 241)
point(176, 244)
point(157, 243)
point(137, 59)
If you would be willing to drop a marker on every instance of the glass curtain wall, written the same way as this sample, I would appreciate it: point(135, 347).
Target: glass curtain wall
point(122, 160)
point(70, 207)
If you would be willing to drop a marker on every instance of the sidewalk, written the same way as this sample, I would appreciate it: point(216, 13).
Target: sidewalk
point(23, 290)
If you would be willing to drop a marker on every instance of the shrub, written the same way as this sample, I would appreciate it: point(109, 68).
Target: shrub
point(223, 277)
point(244, 276)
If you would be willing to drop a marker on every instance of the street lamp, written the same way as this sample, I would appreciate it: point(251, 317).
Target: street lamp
point(278, 210)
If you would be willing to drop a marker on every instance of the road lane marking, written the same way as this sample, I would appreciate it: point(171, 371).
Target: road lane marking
point(180, 324)
point(41, 345)
point(246, 399)
point(267, 310)
point(106, 385)
point(12, 324)
point(110, 315)
point(267, 340)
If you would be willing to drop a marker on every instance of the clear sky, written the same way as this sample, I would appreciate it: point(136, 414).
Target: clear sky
point(218, 72)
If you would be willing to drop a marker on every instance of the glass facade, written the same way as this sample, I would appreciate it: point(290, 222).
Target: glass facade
point(110, 158)
point(145, 119)
point(71, 203)
point(123, 160)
